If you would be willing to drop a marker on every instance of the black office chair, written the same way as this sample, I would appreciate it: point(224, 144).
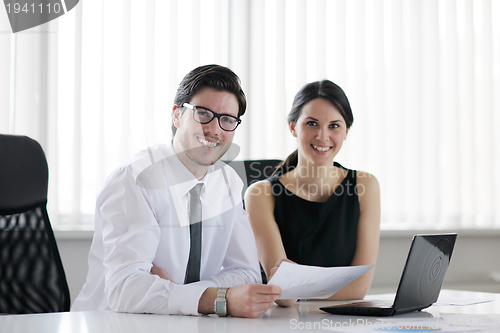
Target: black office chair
point(32, 278)
point(251, 171)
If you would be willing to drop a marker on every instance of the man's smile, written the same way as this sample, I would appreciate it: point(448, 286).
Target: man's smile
point(209, 144)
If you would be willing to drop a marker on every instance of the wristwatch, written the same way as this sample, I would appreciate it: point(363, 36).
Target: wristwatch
point(220, 304)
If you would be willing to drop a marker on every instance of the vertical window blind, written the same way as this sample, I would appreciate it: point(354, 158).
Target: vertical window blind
point(423, 78)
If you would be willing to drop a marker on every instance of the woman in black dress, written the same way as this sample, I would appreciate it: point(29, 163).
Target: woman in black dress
point(313, 211)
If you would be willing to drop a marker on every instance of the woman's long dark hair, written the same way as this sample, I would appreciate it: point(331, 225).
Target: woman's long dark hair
point(320, 89)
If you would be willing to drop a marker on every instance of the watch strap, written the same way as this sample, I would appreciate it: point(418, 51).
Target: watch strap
point(220, 304)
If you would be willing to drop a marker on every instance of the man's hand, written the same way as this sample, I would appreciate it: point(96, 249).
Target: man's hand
point(251, 300)
point(160, 272)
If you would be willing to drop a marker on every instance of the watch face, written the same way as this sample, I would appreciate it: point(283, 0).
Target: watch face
point(220, 307)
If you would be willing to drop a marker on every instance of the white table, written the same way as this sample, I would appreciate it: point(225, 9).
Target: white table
point(298, 317)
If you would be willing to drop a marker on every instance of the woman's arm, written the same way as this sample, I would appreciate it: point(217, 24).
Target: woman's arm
point(259, 203)
point(367, 239)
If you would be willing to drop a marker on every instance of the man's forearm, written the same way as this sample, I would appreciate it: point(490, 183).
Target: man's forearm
point(236, 277)
point(206, 303)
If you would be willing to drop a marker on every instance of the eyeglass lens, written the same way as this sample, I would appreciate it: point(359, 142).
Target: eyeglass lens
point(204, 116)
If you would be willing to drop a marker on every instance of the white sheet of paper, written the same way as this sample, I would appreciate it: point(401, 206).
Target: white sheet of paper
point(470, 322)
point(401, 324)
point(443, 300)
point(301, 281)
point(447, 297)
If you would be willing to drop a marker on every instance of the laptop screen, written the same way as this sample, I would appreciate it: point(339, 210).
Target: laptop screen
point(424, 272)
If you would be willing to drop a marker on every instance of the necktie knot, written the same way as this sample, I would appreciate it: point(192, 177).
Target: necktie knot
point(195, 204)
point(196, 190)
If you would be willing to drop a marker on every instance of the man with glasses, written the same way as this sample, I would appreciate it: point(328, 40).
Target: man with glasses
point(171, 236)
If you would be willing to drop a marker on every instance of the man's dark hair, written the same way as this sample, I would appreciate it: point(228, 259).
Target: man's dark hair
point(213, 76)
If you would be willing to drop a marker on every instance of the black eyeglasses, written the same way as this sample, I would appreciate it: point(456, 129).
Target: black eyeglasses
point(204, 116)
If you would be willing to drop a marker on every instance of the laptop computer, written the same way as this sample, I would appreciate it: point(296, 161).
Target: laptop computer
point(420, 283)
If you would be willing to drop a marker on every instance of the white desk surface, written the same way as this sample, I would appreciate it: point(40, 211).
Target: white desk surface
point(277, 319)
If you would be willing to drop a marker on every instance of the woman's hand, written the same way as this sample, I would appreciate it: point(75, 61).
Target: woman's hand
point(282, 302)
point(276, 266)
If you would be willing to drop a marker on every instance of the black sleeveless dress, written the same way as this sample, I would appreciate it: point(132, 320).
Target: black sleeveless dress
point(318, 233)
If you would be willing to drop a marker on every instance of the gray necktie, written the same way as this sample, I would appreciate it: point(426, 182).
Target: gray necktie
point(193, 266)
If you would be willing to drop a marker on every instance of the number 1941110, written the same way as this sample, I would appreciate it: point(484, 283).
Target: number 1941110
point(32, 8)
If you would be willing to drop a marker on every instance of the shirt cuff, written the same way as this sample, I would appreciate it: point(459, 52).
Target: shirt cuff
point(184, 298)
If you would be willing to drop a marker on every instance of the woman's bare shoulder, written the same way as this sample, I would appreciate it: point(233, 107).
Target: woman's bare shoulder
point(259, 191)
point(366, 179)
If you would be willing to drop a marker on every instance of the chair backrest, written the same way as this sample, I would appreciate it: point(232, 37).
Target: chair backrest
point(251, 171)
point(32, 278)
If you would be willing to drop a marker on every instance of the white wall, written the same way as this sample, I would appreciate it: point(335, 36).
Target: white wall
point(74, 251)
point(474, 259)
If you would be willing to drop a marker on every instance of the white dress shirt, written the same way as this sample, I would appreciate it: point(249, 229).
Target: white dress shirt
point(142, 218)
